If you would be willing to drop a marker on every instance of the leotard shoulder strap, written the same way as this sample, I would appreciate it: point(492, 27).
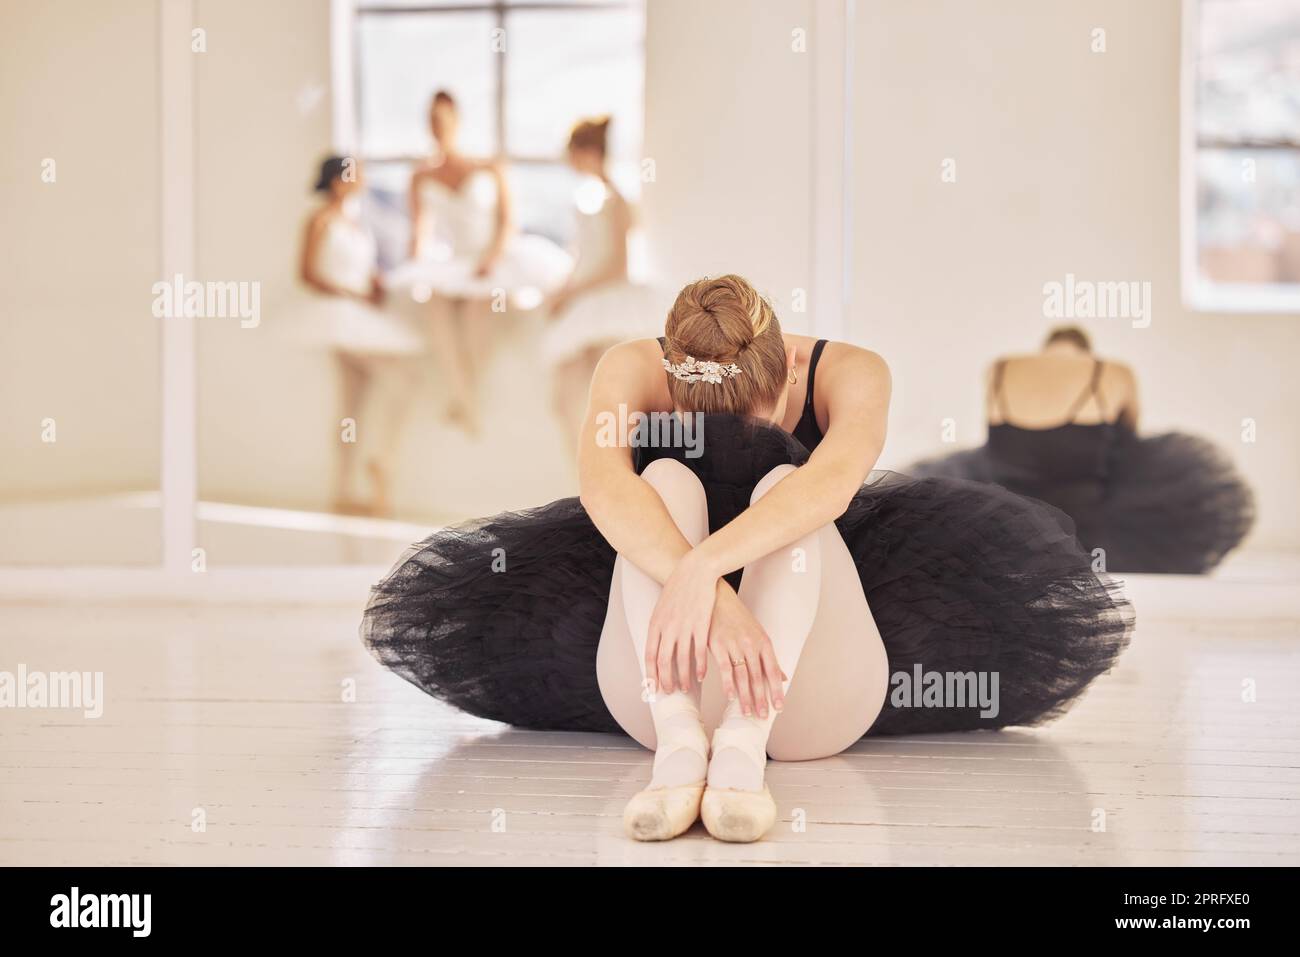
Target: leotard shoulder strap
point(995, 390)
point(815, 358)
point(806, 430)
point(1092, 391)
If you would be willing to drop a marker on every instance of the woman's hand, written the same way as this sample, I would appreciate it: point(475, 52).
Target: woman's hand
point(681, 616)
point(747, 664)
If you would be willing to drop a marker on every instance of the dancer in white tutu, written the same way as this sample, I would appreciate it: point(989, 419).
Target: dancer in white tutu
point(598, 306)
point(340, 269)
point(467, 259)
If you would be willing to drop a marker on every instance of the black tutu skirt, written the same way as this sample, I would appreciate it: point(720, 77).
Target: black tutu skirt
point(1170, 503)
point(501, 616)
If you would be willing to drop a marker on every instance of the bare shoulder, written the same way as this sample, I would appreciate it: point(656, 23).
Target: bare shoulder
point(318, 220)
point(1015, 359)
point(632, 373)
point(1119, 376)
point(633, 353)
point(631, 362)
point(1121, 370)
point(846, 366)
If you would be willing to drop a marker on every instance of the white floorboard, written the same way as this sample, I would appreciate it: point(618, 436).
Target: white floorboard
point(238, 711)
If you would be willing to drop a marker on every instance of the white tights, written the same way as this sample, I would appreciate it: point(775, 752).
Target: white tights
point(809, 600)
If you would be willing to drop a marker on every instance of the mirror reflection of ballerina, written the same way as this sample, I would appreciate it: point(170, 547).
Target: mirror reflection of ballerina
point(1063, 429)
point(598, 306)
point(370, 346)
point(467, 259)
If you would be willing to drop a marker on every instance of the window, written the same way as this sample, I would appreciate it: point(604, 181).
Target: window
point(1241, 155)
point(522, 73)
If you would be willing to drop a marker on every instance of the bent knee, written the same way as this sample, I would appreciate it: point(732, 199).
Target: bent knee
point(671, 476)
point(683, 496)
point(768, 482)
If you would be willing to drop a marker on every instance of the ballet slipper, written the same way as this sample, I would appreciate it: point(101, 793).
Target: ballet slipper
point(733, 815)
point(660, 814)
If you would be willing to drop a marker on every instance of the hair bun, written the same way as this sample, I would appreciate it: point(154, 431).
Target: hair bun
point(591, 133)
point(725, 320)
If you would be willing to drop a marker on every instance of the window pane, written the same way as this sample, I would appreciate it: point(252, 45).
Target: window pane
point(1249, 215)
point(404, 58)
point(1248, 72)
point(1247, 154)
point(562, 65)
point(416, 4)
point(543, 194)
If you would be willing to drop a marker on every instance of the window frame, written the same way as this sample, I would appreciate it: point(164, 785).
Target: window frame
point(1201, 294)
point(348, 15)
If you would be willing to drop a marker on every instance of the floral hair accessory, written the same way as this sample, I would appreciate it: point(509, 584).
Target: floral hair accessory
point(693, 370)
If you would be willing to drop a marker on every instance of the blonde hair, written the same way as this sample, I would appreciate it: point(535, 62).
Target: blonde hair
point(725, 320)
point(591, 134)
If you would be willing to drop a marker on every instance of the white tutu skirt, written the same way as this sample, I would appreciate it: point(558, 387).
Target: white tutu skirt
point(607, 315)
point(345, 324)
point(529, 269)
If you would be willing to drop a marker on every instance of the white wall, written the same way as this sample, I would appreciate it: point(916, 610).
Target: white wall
point(728, 128)
point(1067, 162)
point(259, 133)
point(78, 256)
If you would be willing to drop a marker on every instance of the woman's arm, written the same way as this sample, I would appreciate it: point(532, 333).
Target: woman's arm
point(418, 215)
point(626, 511)
point(615, 267)
point(855, 390)
point(311, 241)
point(855, 393)
point(1128, 413)
point(504, 220)
point(633, 519)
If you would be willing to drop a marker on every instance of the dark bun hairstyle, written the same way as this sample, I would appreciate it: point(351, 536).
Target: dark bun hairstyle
point(331, 169)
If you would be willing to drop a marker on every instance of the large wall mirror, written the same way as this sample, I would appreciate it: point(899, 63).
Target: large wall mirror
point(80, 252)
point(357, 350)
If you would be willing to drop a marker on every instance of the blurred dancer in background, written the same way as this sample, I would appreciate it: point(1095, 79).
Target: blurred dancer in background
point(1063, 429)
point(338, 265)
point(598, 306)
point(467, 258)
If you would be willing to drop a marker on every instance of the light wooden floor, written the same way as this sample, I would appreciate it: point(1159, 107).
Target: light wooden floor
point(237, 713)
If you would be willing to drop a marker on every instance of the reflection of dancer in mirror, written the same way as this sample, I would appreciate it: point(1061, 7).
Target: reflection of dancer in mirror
point(370, 346)
point(467, 259)
point(597, 307)
point(612, 609)
point(1063, 429)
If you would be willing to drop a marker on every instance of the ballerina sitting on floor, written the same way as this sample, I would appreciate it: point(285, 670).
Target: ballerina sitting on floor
point(745, 594)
